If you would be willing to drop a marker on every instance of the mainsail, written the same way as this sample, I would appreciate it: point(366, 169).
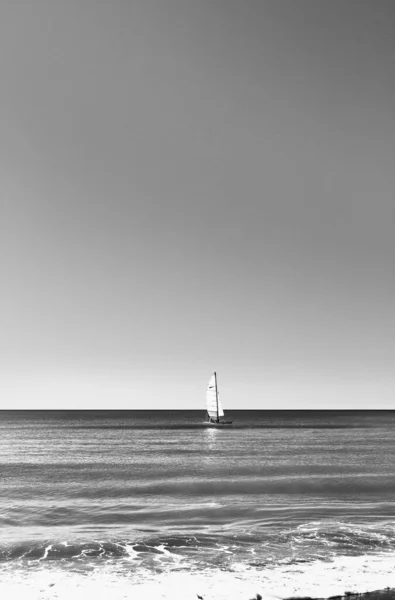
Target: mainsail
point(214, 407)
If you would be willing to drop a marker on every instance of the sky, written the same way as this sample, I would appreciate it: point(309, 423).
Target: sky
point(197, 185)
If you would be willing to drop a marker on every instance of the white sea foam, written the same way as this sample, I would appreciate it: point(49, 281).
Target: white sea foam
point(47, 549)
point(316, 579)
point(131, 551)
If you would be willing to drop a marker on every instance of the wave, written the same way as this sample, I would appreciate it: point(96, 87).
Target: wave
point(183, 486)
point(255, 546)
point(157, 492)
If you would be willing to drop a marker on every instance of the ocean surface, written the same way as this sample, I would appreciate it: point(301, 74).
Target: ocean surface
point(145, 494)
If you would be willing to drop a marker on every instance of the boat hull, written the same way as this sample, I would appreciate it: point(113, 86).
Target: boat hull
point(220, 424)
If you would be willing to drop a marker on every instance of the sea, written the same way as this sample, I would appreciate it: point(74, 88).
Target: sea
point(280, 503)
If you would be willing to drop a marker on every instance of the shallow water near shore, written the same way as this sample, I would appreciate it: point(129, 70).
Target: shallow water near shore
point(281, 501)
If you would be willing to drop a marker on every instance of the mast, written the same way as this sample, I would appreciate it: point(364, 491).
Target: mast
point(216, 394)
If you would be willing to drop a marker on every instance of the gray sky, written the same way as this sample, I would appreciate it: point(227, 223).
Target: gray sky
point(197, 185)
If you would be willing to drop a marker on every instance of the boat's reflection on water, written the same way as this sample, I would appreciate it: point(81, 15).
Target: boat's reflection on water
point(211, 438)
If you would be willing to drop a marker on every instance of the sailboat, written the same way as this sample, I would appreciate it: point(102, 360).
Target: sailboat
point(213, 404)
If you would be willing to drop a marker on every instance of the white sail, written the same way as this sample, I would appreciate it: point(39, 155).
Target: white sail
point(212, 400)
